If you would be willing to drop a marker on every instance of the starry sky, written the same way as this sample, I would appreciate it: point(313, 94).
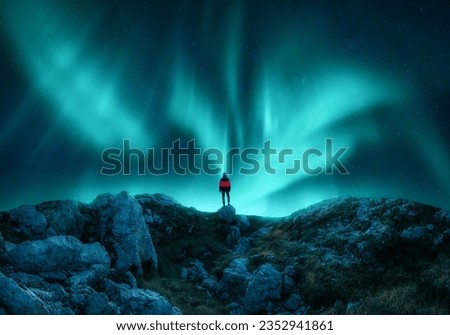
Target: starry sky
point(78, 77)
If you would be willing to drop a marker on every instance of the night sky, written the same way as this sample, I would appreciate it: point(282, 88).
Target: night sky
point(79, 77)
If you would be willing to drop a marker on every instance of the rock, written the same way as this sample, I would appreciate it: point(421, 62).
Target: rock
point(61, 254)
point(54, 253)
point(52, 295)
point(210, 284)
point(197, 271)
point(290, 271)
point(242, 246)
point(49, 219)
point(227, 214)
point(148, 216)
point(443, 215)
point(63, 218)
point(16, 300)
point(87, 277)
point(264, 287)
point(98, 304)
point(85, 300)
point(138, 301)
point(124, 277)
point(234, 235)
point(184, 273)
point(95, 259)
point(124, 233)
point(31, 223)
point(235, 279)
point(413, 233)
point(9, 246)
point(262, 232)
point(158, 199)
point(243, 223)
point(55, 299)
point(288, 280)
point(2, 245)
point(294, 302)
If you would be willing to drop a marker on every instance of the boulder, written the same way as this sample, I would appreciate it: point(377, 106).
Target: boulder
point(31, 223)
point(263, 289)
point(138, 301)
point(63, 218)
point(243, 223)
point(235, 279)
point(242, 246)
point(227, 214)
point(98, 304)
point(52, 295)
point(233, 236)
point(198, 272)
point(60, 254)
point(16, 300)
point(294, 302)
point(48, 292)
point(55, 299)
point(49, 219)
point(123, 232)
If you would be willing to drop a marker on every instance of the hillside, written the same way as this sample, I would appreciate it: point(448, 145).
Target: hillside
point(148, 254)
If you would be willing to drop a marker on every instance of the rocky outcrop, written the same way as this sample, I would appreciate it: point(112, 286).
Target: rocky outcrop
point(198, 273)
point(46, 269)
point(16, 300)
point(227, 214)
point(235, 279)
point(137, 301)
point(123, 232)
point(264, 289)
point(64, 257)
point(48, 219)
point(31, 223)
point(60, 256)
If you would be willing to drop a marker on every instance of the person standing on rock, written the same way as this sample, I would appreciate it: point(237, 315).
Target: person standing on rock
point(225, 187)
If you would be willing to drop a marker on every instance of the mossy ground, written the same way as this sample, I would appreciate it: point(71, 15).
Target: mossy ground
point(183, 236)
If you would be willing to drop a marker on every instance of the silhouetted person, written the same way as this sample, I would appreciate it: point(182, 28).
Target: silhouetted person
point(225, 187)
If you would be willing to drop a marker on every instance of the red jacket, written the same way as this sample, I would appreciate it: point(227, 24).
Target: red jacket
point(225, 185)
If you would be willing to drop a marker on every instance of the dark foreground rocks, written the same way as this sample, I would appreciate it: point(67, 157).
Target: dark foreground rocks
point(47, 269)
point(148, 254)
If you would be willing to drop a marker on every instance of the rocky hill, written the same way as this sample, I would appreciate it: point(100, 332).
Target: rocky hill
point(148, 254)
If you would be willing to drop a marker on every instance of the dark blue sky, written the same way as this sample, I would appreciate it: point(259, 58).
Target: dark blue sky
point(79, 77)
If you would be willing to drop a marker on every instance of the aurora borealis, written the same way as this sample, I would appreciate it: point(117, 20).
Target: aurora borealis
point(81, 76)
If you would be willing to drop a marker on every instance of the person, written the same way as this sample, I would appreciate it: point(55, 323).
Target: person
point(225, 187)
